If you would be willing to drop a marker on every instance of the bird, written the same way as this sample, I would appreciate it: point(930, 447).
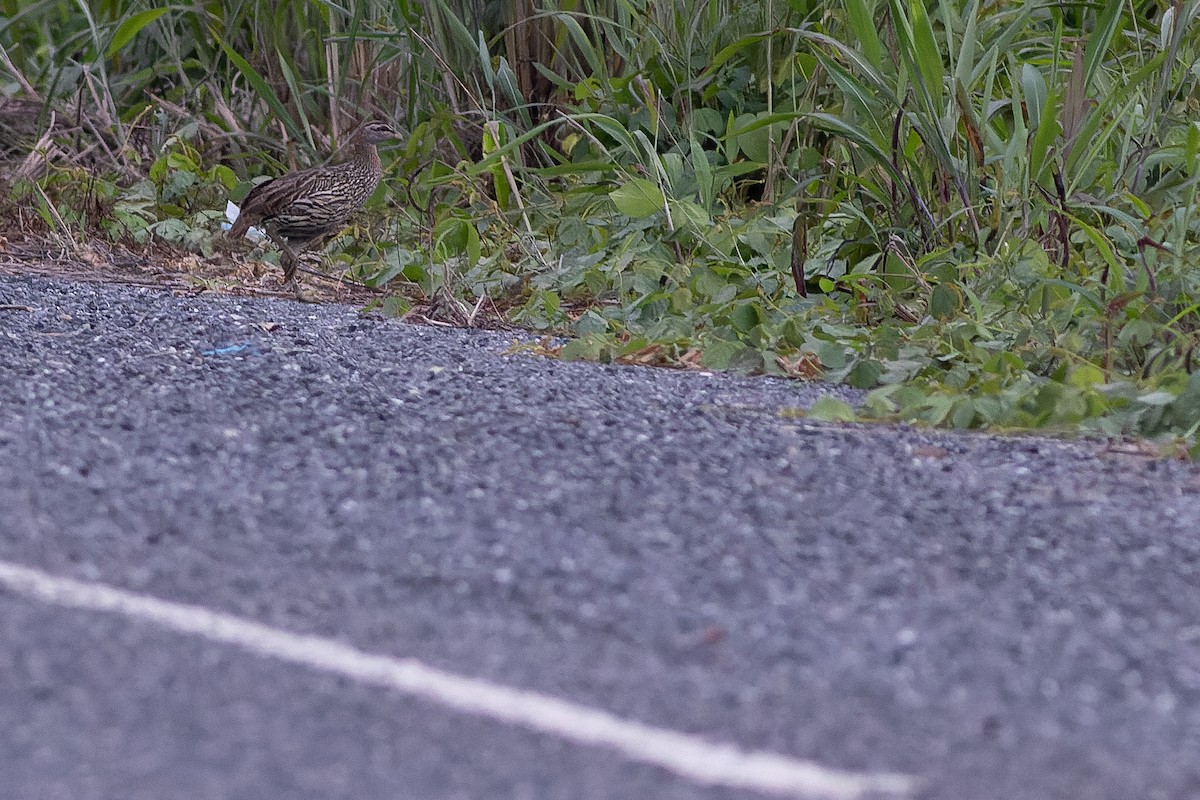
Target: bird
point(311, 205)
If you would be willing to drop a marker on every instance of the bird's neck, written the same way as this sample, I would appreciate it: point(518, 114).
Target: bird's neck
point(365, 153)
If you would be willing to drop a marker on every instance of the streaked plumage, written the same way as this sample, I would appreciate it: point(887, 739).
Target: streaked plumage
point(311, 205)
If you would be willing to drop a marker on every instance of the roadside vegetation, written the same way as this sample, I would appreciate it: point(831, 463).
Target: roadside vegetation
point(984, 213)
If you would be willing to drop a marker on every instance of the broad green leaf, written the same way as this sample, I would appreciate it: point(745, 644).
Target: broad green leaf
point(831, 409)
point(943, 301)
point(638, 197)
point(865, 374)
point(720, 353)
point(1159, 398)
point(585, 348)
point(689, 216)
point(753, 143)
point(1086, 375)
point(963, 415)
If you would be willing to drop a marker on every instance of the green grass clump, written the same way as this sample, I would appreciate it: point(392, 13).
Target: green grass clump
point(985, 214)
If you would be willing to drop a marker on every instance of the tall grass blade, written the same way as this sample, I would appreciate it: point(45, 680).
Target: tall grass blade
point(130, 28)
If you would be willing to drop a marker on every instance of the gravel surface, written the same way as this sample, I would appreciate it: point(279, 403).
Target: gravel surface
point(1005, 618)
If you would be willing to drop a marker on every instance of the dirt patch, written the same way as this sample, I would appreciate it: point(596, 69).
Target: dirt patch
point(164, 267)
point(229, 272)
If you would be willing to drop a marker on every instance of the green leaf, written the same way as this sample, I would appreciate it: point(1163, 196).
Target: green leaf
point(396, 306)
point(943, 301)
point(720, 353)
point(509, 85)
point(289, 75)
point(458, 237)
point(926, 54)
point(1111, 21)
point(585, 47)
point(256, 81)
point(485, 60)
point(830, 409)
point(494, 135)
point(865, 374)
point(1159, 398)
point(638, 198)
point(586, 348)
point(754, 142)
point(689, 216)
point(832, 124)
point(131, 27)
point(1034, 87)
point(730, 50)
point(1086, 375)
point(1048, 130)
point(703, 172)
point(861, 15)
point(963, 414)
point(746, 316)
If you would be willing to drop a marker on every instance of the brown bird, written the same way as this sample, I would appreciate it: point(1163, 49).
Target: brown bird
point(312, 205)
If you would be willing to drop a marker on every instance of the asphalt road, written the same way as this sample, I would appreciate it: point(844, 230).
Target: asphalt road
point(997, 618)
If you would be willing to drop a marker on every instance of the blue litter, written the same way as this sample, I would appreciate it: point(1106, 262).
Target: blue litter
point(232, 349)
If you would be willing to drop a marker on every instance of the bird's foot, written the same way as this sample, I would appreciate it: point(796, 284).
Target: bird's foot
point(300, 293)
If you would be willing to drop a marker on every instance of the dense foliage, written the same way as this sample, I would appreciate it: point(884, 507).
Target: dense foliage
point(985, 213)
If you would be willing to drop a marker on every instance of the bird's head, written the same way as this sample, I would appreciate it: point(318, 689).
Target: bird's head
point(376, 131)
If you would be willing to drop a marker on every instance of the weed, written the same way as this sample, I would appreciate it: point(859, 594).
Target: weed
point(985, 215)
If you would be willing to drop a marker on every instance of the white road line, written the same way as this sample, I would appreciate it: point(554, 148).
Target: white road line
point(688, 756)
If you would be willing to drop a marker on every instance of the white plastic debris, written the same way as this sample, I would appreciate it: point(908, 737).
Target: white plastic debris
point(231, 214)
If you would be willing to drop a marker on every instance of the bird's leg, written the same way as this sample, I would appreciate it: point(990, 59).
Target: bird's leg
point(291, 262)
point(300, 293)
point(287, 256)
point(291, 281)
point(318, 246)
point(315, 249)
